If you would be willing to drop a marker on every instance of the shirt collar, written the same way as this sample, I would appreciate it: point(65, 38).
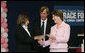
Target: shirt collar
point(44, 20)
point(24, 26)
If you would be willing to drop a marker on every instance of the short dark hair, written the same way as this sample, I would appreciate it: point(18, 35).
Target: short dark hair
point(43, 8)
point(58, 13)
point(22, 19)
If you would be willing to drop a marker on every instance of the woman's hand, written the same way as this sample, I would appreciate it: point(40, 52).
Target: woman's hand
point(48, 35)
point(52, 37)
point(40, 42)
point(40, 37)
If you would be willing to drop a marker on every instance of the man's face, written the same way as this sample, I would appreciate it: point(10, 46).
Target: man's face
point(43, 14)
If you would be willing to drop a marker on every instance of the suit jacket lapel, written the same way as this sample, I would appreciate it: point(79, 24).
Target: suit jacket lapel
point(47, 26)
point(25, 31)
point(40, 26)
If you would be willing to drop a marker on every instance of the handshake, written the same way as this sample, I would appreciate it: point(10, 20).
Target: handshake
point(39, 38)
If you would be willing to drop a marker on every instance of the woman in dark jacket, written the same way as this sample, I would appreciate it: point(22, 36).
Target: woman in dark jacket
point(24, 41)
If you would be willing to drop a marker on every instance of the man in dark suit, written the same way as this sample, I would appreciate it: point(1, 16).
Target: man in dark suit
point(42, 26)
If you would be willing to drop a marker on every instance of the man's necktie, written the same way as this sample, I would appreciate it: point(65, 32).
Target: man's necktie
point(42, 28)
